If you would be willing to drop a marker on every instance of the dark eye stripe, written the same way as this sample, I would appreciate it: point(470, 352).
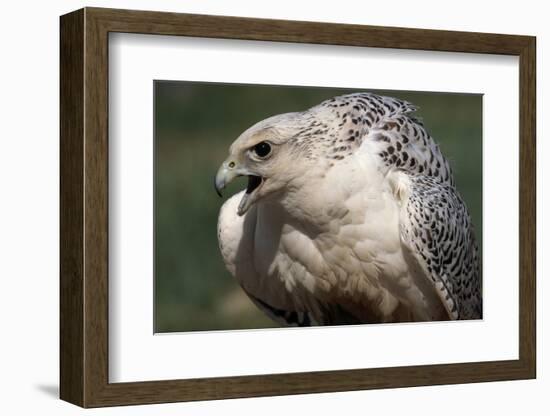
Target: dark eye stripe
point(262, 149)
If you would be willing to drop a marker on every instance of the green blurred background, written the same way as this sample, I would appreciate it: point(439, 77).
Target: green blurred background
point(194, 125)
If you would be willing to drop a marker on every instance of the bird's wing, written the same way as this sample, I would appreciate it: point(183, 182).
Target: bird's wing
point(283, 317)
point(437, 232)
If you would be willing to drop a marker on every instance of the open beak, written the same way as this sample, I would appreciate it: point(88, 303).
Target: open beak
point(230, 170)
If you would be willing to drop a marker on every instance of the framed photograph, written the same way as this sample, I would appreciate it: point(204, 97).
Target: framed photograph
point(377, 221)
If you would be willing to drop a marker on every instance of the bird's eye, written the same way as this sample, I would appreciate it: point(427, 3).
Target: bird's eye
point(262, 149)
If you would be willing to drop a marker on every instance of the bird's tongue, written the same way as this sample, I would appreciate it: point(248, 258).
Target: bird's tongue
point(253, 183)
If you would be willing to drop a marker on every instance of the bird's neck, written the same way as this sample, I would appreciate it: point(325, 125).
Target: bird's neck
point(319, 202)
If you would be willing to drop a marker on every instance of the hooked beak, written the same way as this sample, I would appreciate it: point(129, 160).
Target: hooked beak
point(224, 176)
point(228, 171)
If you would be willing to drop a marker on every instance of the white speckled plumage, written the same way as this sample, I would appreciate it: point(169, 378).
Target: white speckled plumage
point(356, 220)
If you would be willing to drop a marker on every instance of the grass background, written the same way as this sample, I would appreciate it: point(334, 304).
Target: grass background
point(194, 125)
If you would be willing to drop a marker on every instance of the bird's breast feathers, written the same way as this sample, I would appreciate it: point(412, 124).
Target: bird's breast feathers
point(341, 246)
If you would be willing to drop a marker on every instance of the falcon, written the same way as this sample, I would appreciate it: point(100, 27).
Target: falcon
point(350, 216)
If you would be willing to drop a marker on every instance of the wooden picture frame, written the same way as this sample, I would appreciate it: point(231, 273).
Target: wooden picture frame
point(84, 207)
